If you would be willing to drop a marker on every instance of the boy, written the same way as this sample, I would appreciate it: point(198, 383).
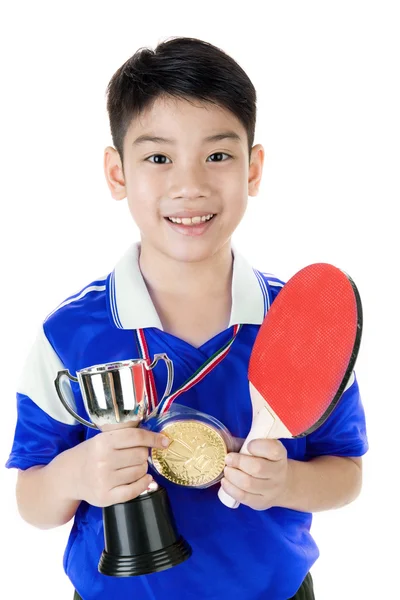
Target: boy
point(182, 120)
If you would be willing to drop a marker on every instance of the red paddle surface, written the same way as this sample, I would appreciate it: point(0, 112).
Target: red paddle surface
point(306, 347)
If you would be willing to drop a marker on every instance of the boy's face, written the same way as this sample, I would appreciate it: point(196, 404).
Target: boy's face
point(189, 174)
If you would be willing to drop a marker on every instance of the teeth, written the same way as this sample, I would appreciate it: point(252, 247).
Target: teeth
point(191, 221)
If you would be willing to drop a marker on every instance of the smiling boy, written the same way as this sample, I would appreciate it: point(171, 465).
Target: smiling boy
point(186, 162)
point(182, 119)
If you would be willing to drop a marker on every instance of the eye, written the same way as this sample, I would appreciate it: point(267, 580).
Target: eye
point(218, 156)
point(158, 159)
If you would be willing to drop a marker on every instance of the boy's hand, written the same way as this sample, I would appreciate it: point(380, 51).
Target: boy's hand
point(259, 480)
point(111, 467)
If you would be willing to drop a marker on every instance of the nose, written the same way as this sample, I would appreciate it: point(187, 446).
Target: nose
point(188, 182)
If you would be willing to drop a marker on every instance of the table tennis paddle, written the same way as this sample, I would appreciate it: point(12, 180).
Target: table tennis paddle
point(303, 355)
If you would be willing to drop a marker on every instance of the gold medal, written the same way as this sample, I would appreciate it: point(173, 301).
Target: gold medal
point(195, 456)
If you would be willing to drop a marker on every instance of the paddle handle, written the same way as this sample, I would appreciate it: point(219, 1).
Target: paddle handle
point(263, 422)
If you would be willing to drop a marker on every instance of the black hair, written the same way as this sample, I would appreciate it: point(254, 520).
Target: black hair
point(180, 67)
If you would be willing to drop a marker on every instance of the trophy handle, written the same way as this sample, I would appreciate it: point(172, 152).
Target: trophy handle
point(60, 393)
point(170, 367)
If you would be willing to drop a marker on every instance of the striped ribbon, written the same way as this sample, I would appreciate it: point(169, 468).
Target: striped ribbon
point(201, 372)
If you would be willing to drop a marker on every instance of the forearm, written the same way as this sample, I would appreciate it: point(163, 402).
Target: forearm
point(45, 494)
point(323, 483)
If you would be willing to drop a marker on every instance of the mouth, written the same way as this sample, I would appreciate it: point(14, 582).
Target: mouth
point(191, 221)
point(191, 226)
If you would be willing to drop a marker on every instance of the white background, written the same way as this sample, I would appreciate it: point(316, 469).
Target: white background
point(327, 77)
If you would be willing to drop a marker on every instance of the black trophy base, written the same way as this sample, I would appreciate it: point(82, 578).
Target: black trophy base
point(140, 537)
point(129, 566)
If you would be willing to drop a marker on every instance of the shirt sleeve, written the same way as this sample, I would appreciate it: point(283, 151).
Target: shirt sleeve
point(44, 427)
point(344, 431)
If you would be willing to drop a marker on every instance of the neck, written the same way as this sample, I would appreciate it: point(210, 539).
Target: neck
point(165, 275)
point(192, 299)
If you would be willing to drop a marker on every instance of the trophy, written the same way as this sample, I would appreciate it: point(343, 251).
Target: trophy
point(140, 536)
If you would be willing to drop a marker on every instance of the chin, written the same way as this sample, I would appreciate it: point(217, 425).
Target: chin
point(192, 253)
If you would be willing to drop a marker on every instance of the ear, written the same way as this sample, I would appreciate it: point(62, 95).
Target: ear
point(114, 173)
point(255, 169)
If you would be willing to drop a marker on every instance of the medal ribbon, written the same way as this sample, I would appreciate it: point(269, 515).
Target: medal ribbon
point(201, 372)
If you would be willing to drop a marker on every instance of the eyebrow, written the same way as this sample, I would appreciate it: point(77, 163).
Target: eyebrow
point(230, 135)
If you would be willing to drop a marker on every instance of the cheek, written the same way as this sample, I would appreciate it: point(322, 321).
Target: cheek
point(235, 194)
point(145, 185)
point(142, 212)
point(142, 194)
point(233, 183)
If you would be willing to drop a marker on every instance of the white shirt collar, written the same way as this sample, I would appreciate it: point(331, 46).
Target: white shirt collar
point(132, 307)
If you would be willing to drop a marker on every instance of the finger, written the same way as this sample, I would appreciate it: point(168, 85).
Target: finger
point(128, 475)
point(245, 482)
point(130, 457)
point(134, 437)
point(253, 465)
point(271, 449)
point(255, 501)
point(124, 493)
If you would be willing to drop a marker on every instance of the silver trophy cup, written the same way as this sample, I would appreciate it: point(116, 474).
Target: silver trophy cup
point(140, 536)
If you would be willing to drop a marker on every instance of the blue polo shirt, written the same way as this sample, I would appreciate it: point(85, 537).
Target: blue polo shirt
point(238, 554)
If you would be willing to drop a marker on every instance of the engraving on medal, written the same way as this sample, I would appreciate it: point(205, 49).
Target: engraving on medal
point(195, 456)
